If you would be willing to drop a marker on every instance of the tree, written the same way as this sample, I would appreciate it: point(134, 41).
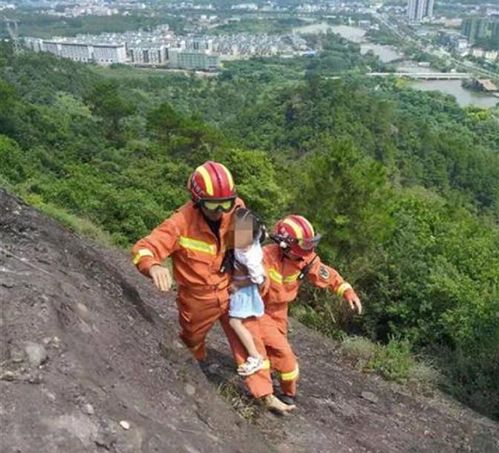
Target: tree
point(106, 101)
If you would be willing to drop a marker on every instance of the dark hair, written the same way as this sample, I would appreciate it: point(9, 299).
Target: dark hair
point(259, 231)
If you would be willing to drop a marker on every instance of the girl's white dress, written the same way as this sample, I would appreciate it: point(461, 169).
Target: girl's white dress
point(246, 301)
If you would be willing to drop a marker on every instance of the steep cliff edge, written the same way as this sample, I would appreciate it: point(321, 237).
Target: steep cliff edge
point(90, 361)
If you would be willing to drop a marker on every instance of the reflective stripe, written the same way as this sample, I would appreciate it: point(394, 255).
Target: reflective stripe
point(291, 278)
point(140, 254)
point(342, 288)
point(290, 376)
point(229, 176)
point(279, 278)
point(296, 228)
point(206, 178)
point(276, 276)
point(197, 245)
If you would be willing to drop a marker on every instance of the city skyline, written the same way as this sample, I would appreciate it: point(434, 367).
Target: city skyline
point(417, 10)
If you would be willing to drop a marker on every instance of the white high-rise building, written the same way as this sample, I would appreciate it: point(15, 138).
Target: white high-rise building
point(417, 10)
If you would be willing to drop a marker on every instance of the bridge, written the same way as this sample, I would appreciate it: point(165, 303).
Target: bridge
point(424, 75)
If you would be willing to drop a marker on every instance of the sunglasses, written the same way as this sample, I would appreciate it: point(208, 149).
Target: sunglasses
point(218, 205)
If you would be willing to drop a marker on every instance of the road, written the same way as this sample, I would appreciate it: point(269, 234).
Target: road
point(392, 25)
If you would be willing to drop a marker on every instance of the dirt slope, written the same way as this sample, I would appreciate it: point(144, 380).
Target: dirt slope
point(102, 341)
point(109, 352)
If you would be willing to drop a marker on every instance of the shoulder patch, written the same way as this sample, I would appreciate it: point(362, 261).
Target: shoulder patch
point(324, 273)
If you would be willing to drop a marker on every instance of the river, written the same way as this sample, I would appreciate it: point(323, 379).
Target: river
point(387, 54)
point(453, 87)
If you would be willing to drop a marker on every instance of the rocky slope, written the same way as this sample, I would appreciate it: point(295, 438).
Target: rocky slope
point(90, 361)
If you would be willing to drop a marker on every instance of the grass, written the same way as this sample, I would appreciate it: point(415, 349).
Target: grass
point(246, 407)
point(4, 184)
point(326, 323)
point(120, 71)
point(394, 361)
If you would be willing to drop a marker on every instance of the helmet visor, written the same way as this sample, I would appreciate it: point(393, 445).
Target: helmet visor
point(309, 244)
point(218, 205)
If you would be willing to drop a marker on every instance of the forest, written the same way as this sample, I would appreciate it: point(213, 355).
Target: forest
point(403, 185)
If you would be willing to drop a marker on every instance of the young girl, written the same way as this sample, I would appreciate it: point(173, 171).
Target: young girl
point(248, 275)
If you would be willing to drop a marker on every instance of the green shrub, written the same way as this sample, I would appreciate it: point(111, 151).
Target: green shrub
point(360, 350)
point(393, 361)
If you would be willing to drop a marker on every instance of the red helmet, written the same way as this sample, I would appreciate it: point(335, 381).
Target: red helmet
point(211, 181)
point(296, 234)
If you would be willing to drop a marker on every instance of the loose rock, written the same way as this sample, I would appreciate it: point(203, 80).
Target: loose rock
point(89, 409)
point(82, 311)
point(369, 396)
point(7, 376)
point(125, 425)
point(190, 389)
point(37, 354)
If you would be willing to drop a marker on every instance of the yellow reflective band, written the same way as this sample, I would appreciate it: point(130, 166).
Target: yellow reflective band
point(229, 176)
point(206, 178)
point(197, 245)
point(140, 254)
point(276, 276)
point(291, 376)
point(279, 278)
point(342, 288)
point(296, 228)
point(291, 278)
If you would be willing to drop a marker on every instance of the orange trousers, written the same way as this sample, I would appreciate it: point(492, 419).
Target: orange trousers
point(282, 358)
point(198, 316)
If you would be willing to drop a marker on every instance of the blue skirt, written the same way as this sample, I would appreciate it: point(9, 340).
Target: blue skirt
point(246, 302)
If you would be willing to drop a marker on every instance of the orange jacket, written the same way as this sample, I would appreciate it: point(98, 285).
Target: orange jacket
point(196, 252)
point(284, 280)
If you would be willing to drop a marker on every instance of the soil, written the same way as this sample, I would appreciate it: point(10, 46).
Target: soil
point(90, 361)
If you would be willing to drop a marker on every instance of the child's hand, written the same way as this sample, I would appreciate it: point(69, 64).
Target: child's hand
point(233, 288)
point(264, 287)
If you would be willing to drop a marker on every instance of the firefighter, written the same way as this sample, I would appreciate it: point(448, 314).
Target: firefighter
point(288, 262)
point(196, 237)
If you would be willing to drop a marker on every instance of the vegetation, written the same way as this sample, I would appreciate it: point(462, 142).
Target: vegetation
point(403, 185)
point(44, 26)
point(260, 25)
point(394, 361)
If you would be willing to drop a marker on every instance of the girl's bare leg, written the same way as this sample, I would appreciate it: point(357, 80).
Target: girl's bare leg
point(245, 336)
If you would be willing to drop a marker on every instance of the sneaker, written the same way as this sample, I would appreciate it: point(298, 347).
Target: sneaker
point(274, 404)
point(251, 366)
point(288, 399)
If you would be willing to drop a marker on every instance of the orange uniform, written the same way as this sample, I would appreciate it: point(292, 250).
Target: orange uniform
point(203, 291)
point(284, 282)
